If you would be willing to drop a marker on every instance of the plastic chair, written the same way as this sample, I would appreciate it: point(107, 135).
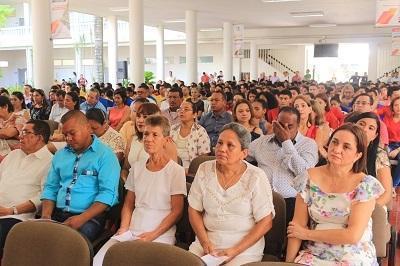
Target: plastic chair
point(194, 165)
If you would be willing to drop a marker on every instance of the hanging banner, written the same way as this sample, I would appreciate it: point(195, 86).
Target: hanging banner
point(238, 36)
point(387, 13)
point(60, 19)
point(396, 41)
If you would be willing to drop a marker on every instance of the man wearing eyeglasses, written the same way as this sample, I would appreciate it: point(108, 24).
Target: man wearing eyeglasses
point(22, 174)
point(82, 183)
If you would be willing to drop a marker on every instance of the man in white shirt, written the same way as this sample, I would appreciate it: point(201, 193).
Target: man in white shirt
point(274, 78)
point(284, 155)
point(22, 175)
point(175, 99)
point(58, 109)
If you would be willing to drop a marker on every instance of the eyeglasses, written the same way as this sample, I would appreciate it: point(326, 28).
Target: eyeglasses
point(184, 110)
point(25, 133)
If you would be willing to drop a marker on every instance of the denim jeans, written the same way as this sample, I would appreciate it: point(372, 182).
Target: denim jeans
point(5, 226)
point(91, 229)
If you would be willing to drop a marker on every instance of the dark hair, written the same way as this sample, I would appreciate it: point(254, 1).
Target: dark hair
point(41, 128)
point(222, 93)
point(178, 90)
point(252, 91)
point(75, 99)
point(3, 90)
point(393, 89)
point(141, 100)
point(73, 114)
point(145, 109)
point(285, 92)
point(262, 102)
point(272, 102)
point(97, 115)
point(60, 93)
point(324, 97)
point(361, 144)
point(20, 97)
point(194, 106)
point(392, 103)
point(290, 110)
point(41, 92)
point(373, 145)
point(294, 89)
point(122, 93)
point(242, 101)
point(5, 101)
point(371, 100)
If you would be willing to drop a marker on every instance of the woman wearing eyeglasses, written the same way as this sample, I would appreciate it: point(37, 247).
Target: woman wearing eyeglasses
point(190, 138)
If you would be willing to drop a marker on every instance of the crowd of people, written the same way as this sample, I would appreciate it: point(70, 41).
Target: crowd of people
point(324, 147)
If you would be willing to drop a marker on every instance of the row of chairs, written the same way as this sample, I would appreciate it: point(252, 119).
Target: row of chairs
point(37, 243)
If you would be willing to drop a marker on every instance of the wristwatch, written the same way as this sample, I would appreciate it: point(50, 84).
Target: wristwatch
point(15, 211)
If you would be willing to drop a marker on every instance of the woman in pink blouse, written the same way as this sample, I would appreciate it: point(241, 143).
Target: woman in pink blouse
point(119, 114)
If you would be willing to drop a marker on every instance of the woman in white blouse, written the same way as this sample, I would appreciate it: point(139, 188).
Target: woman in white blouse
point(156, 189)
point(230, 202)
point(190, 138)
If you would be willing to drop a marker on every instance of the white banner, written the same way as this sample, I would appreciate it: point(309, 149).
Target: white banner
point(60, 19)
point(396, 41)
point(238, 35)
point(387, 13)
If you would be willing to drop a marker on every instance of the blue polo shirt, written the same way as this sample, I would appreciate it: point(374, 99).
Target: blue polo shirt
point(213, 124)
point(85, 107)
point(98, 173)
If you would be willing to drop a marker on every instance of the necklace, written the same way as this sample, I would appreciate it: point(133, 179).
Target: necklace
point(226, 181)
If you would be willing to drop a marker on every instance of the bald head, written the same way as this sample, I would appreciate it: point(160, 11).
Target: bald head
point(76, 115)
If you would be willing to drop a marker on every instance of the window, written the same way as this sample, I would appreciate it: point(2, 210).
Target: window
point(169, 60)
point(3, 63)
point(57, 62)
point(150, 61)
point(68, 62)
point(206, 59)
point(182, 60)
point(87, 62)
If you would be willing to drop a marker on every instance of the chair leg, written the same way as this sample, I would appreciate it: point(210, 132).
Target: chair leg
point(392, 247)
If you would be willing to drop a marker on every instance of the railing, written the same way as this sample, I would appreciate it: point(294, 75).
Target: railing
point(269, 57)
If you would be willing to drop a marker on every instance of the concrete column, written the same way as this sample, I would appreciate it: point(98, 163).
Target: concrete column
point(136, 41)
point(42, 45)
point(78, 62)
point(160, 53)
point(372, 62)
point(191, 46)
point(112, 25)
point(228, 51)
point(98, 49)
point(237, 67)
point(29, 66)
point(253, 61)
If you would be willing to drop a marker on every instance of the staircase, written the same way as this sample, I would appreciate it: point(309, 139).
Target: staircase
point(270, 57)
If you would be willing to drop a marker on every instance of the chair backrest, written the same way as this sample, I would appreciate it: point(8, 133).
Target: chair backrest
point(37, 243)
point(140, 253)
point(271, 263)
point(184, 232)
point(195, 163)
point(275, 239)
point(380, 230)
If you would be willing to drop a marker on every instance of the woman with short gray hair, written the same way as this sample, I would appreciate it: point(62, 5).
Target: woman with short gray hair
point(230, 202)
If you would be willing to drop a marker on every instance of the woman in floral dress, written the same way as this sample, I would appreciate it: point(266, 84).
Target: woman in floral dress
point(333, 211)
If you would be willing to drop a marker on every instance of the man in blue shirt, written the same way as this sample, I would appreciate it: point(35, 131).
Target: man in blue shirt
point(218, 117)
point(92, 101)
point(83, 179)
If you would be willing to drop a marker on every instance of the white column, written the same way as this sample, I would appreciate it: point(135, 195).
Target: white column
point(237, 68)
point(253, 61)
point(160, 53)
point(42, 45)
point(112, 24)
point(78, 61)
point(191, 46)
point(29, 66)
point(228, 51)
point(136, 41)
point(372, 62)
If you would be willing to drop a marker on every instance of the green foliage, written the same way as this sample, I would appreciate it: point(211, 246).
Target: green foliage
point(17, 87)
point(5, 12)
point(149, 77)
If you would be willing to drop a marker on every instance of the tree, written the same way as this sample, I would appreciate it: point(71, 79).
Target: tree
point(148, 77)
point(5, 12)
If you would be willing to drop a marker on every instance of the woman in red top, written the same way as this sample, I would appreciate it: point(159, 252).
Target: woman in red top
point(392, 121)
point(329, 113)
point(119, 114)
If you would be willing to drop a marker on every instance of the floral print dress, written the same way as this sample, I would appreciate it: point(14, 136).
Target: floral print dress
point(332, 211)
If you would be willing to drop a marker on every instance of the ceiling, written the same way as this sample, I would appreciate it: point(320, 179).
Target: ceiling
point(251, 13)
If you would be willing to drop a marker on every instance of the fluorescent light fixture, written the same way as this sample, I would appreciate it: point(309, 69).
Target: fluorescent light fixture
point(119, 9)
point(307, 14)
point(280, 1)
point(211, 29)
point(175, 21)
point(322, 25)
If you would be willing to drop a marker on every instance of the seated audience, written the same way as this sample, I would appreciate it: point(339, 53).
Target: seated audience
point(98, 122)
point(174, 98)
point(128, 129)
point(333, 116)
point(82, 183)
point(155, 192)
point(21, 113)
point(22, 174)
point(259, 110)
point(333, 211)
point(40, 109)
point(214, 120)
point(195, 97)
point(92, 101)
point(392, 120)
point(8, 126)
point(284, 155)
point(58, 109)
point(243, 114)
point(119, 114)
point(230, 202)
point(190, 138)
